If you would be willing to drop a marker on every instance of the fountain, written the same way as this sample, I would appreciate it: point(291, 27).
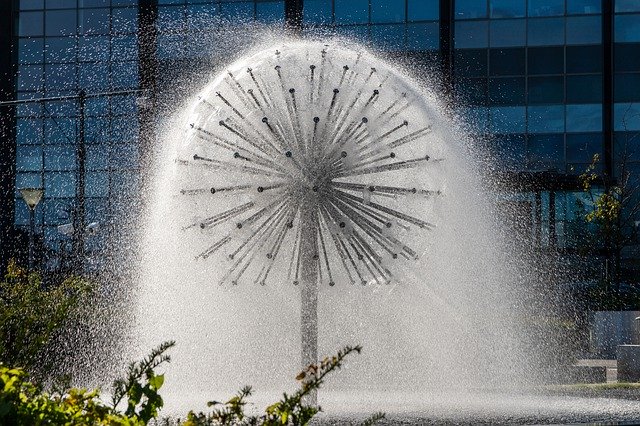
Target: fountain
point(312, 190)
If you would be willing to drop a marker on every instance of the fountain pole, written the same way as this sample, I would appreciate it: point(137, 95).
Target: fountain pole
point(309, 286)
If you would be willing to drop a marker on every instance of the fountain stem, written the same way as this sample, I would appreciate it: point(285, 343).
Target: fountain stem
point(309, 287)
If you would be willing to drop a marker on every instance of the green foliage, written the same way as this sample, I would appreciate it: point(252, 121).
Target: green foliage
point(31, 315)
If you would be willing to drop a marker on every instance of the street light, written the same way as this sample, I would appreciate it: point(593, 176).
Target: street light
point(31, 197)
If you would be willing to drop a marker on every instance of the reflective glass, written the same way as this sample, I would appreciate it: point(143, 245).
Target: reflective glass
point(30, 77)
point(270, 11)
point(546, 119)
point(507, 119)
point(584, 88)
point(60, 184)
point(61, 4)
point(202, 17)
point(545, 60)
point(388, 37)
point(477, 118)
point(170, 46)
point(31, 24)
point(124, 156)
point(60, 131)
point(125, 104)
point(30, 50)
point(507, 91)
point(356, 32)
point(60, 49)
point(60, 157)
point(97, 3)
point(351, 11)
point(627, 6)
point(94, 76)
point(584, 59)
point(171, 19)
point(96, 130)
point(28, 131)
point(581, 147)
point(60, 76)
point(584, 7)
point(471, 91)
point(317, 11)
point(509, 150)
point(124, 75)
point(627, 28)
point(471, 62)
point(546, 90)
point(94, 49)
point(470, 9)
point(471, 34)
point(94, 21)
point(506, 61)
point(96, 157)
point(423, 10)
point(58, 211)
point(546, 7)
point(624, 146)
point(125, 48)
point(387, 11)
point(60, 22)
point(584, 30)
point(546, 32)
point(97, 184)
point(124, 129)
point(584, 118)
point(507, 33)
point(546, 151)
point(31, 4)
point(507, 8)
point(627, 87)
point(98, 106)
point(626, 57)
point(125, 20)
point(28, 158)
point(423, 36)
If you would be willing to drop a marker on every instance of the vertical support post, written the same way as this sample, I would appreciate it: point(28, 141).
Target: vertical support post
point(79, 215)
point(293, 16)
point(537, 224)
point(607, 90)
point(553, 238)
point(309, 288)
point(32, 231)
point(446, 44)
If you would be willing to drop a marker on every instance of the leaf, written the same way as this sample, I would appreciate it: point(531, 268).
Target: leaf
point(301, 375)
point(156, 382)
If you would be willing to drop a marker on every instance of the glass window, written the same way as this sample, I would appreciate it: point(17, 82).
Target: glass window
point(356, 32)
point(546, 32)
point(546, 90)
point(28, 131)
point(509, 150)
point(96, 157)
point(506, 61)
point(124, 75)
point(30, 77)
point(584, 59)
point(94, 76)
point(546, 119)
point(60, 76)
point(58, 211)
point(546, 60)
point(317, 11)
point(507, 33)
point(124, 105)
point(584, 88)
point(388, 37)
point(581, 147)
point(584, 118)
point(584, 30)
point(125, 48)
point(60, 157)
point(624, 146)
point(61, 4)
point(270, 12)
point(352, 11)
point(28, 158)
point(627, 6)
point(171, 19)
point(627, 28)
point(28, 180)
point(60, 22)
point(60, 131)
point(124, 129)
point(125, 20)
point(31, 24)
point(423, 36)
point(507, 8)
point(546, 7)
point(584, 7)
point(202, 17)
point(508, 119)
point(94, 49)
point(170, 46)
point(506, 91)
point(387, 11)
point(626, 57)
point(627, 87)
point(472, 34)
point(471, 62)
point(97, 184)
point(546, 151)
point(60, 49)
point(476, 117)
point(30, 50)
point(423, 10)
point(60, 184)
point(96, 130)
point(98, 106)
point(124, 156)
point(31, 4)
point(470, 9)
point(94, 21)
point(471, 91)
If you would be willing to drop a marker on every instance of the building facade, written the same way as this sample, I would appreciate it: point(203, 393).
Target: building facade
point(545, 84)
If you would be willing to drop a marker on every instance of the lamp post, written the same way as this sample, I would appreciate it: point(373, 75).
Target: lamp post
point(31, 197)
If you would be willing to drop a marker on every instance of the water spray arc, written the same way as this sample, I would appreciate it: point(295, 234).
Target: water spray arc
point(305, 162)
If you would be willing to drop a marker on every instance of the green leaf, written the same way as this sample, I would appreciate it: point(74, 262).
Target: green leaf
point(156, 382)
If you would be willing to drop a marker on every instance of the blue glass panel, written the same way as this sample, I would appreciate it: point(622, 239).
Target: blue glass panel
point(96, 3)
point(471, 91)
point(28, 158)
point(477, 118)
point(473, 34)
point(546, 152)
point(625, 146)
point(171, 1)
point(627, 6)
point(171, 19)
point(387, 11)
point(507, 119)
point(97, 129)
point(356, 32)
point(388, 37)
point(60, 49)
point(60, 131)
point(423, 10)
point(30, 77)
point(626, 116)
point(317, 11)
point(31, 4)
point(546, 90)
point(96, 157)
point(584, 118)
point(626, 57)
point(507, 8)
point(94, 21)
point(125, 20)
point(125, 104)
point(627, 28)
point(60, 77)
point(546, 7)
point(97, 184)
point(507, 33)
point(507, 61)
point(584, 59)
point(28, 131)
point(423, 36)
point(234, 12)
point(30, 50)
point(123, 129)
point(470, 9)
point(546, 32)
point(31, 24)
point(94, 76)
point(584, 7)
point(124, 156)
point(27, 180)
point(60, 184)
point(58, 211)
point(471, 62)
point(507, 91)
point(352, 11)
point(584, 30)
point(581, 147)
point(546, 119)
point(61, 4)
point(509, 150)
point(584, 88)
point(546, 60)
point(60, 157)
point(60, 22)
point(94, 49)
point(98, 106)
point(125, 48)
point(124, 75)
point(627, 87)
point(270, 11)
point(202, 17)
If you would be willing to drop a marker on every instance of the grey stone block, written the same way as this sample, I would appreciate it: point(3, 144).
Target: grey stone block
point(628, 363)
